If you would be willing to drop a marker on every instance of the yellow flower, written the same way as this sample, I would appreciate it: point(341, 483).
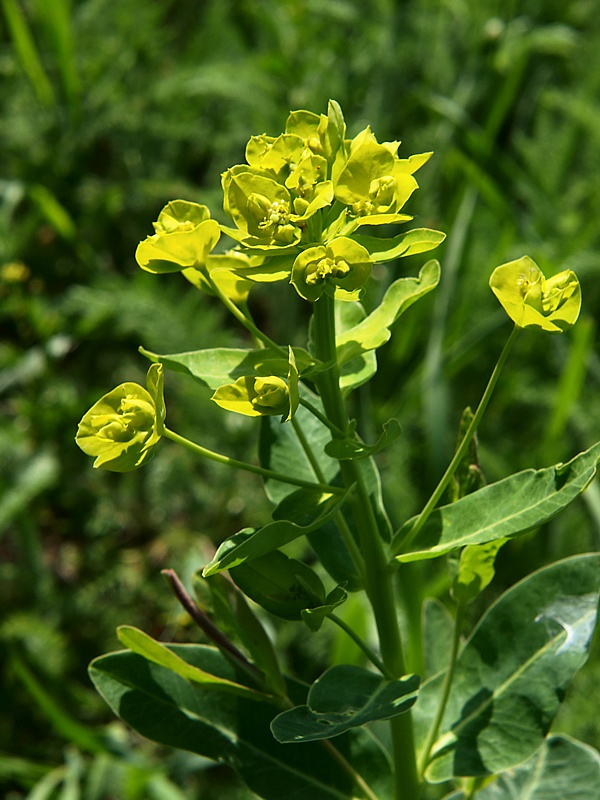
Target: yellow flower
point(532, 301)
point(122, 429)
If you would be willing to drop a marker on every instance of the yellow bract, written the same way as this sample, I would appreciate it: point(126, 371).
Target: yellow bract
point(532, 301)
point(123, 427)
point(258, 395)
point(184, 236)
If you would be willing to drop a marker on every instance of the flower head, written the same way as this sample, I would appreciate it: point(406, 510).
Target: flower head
point(339, 268)
point(259, 396)
point(122, 429)
point(532, 301)
point(184, 235)
point(260, 207)
point(374, 180)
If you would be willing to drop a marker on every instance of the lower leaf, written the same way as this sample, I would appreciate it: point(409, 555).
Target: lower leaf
point(165, 708)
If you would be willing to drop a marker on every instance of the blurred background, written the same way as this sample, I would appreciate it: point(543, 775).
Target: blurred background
point(109, 110)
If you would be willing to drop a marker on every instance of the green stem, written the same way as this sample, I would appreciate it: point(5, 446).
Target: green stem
point(378, 578)
point(445, 693)
point(244, 320)
point(341, 523)
point(321, 417)
point(347, 767)
point(361, 644)
point(461, 451)
point(232, 462)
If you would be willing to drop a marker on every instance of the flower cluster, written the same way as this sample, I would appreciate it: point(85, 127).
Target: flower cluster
point(295, 206)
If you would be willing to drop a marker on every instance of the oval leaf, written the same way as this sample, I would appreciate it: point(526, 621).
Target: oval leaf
point(506, 508)
point(163, 707)
point(513, 672)
point(562, 768)
point(345, 697)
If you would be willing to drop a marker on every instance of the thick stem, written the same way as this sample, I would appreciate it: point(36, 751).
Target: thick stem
point(378, 578)
point(339, 519)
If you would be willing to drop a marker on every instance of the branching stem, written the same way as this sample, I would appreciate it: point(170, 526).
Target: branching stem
point(232, 462)
point(403, 545)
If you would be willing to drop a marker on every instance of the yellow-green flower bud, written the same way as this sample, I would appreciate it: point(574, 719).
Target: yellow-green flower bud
point(339, 268)
point(258, 396)
point(184, 235)
point(122, 429)
point(532, 301)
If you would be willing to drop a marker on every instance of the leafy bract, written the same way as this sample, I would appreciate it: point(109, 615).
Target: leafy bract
point(361, 369)
point(513, 672)
point(252, 543)
point(122, 429)
point(217, 366)
point(476, 570)
point(350, 449)
point(561, 768)
point(374, 331)
point(345, 697)
point(419, 240)
point(139, 642)
point(532, 301)
point(165, 708)
point(503, 509)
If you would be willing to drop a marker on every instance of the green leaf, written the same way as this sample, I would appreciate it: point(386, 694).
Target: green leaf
point(562, 768)
point(348, 449)
point(314, 617)
point(139, 642)
point(509, 507)
point(513, 672)
point(419, 240)
point(374, 331)
point(281, 585)
point(280, 449)
point(221, 365)
point(361, 369)
point(438, 627)
point(345, 697)
point(163, 707)
point(475, 570)
point(252, 543)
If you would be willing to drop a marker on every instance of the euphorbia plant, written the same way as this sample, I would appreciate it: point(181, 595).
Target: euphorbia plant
point(477, 722)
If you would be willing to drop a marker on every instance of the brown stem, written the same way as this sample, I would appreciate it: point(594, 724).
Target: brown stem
point(206, 625)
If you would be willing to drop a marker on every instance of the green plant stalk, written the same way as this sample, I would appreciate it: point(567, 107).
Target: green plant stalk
point(321, 417)
point(339, 519)
point(445, 693)
point(462, 449)
point(377, 662)
point(245, 320)
point(232, 462)
point(378, 577)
